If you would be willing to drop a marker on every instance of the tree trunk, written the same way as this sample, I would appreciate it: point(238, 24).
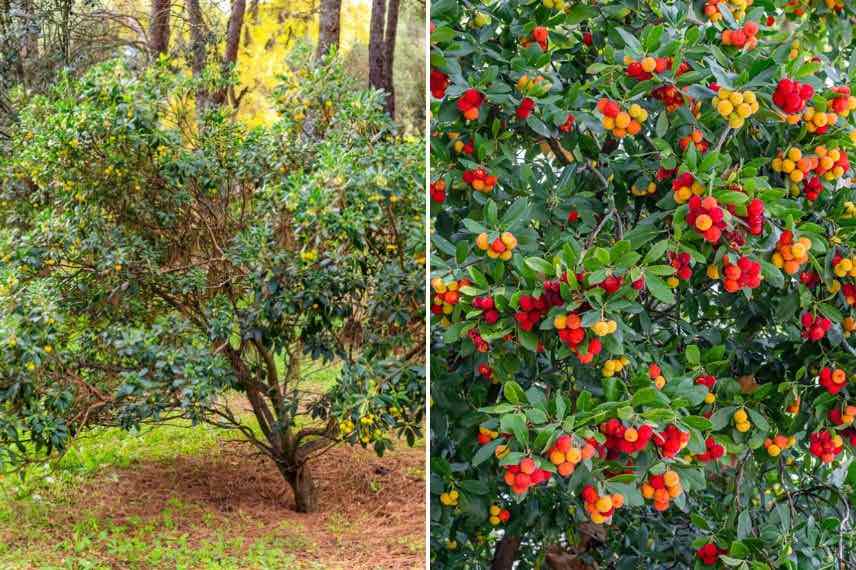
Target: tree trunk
point(377, 53)
point(328, 26)
point(198, 48)
point(159, 27)
point(505, 553)
point(233, 42)
point(389, 54)
point(303, 486)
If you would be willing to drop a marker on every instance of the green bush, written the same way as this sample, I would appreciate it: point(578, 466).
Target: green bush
point(156, 256)
point(642, 294)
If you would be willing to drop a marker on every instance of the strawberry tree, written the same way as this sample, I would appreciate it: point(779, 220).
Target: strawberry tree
point(642, 284)
point(157, 259)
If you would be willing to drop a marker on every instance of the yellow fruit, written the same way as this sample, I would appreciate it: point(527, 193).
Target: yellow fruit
point(740, 416)
point(725, 108)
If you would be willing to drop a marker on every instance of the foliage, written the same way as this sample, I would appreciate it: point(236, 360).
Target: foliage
point(622, 242)
point(155, 257)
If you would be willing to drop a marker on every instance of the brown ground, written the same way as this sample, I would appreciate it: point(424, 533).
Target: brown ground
point(372, 509)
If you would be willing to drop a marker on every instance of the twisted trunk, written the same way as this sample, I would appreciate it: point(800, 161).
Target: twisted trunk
point(303, 485)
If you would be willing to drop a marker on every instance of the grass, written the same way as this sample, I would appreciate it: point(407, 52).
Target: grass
point(66, 518)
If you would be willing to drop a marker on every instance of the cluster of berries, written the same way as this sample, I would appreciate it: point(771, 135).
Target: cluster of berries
point(485, 371)
point(604, 327)
point(500, 248)
point(745, 274)
point(446, 295)
point(790, 255)
point(572, 333)
point(655, 373)
point(486, 435)
point(709, 554)
point(559, 5)
point(842, 416)
point(450, 498)
point(462, 147)
point(736, 7)
point(643, 190)
point(824, 445)
point(498, 515)
point(736, 106)
point(469, 104)
point(480, 179)
point(525, 108)
point(601, 507)
point(565, 455)
point(645, 68)
point(481, 346)
point(532, 309)
point(741, 421)
point(754, 216)
point(681, 262)
point(815, 327)
point(776, 445)
point(671, 440)
point(742, 38)
point(708, 381)
point(684, 186)
point(524, 475)
point(833, 380)
point(706, 217)
point(842, 102)
point(695, 138)
point(622, 439)
point(818, 122)
point(439, 82)
point(488, 308)
point(670, 96)
point(437, 190)
point(533, 86)
point(791, 96)
point(614, 366)
point(539, 36)
point(662, 488)
point(712, 451)
point(621, 123)
point(844, 266)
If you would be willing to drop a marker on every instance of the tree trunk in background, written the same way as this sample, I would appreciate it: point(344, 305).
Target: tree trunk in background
point(328, 26)
point(198, 42)
point(505, 553)
point(382, 48)
point(233, 42)
point(159, 27)
point(389, 53)
point(377, 54)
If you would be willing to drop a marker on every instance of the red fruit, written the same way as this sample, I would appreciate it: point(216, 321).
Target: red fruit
point(525, 108)
point(438, 191)
point(568, 124)
point(485, 370)
point(573, 216)
point(587, 38)
point(539, 34)
point(439, 83)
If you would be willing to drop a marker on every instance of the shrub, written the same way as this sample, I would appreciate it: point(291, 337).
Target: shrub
point(155, 257)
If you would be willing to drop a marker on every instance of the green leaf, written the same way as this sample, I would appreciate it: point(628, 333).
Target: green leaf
point(515, 424)
point(514, 392)
point(659, 289)
point(693, 355)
